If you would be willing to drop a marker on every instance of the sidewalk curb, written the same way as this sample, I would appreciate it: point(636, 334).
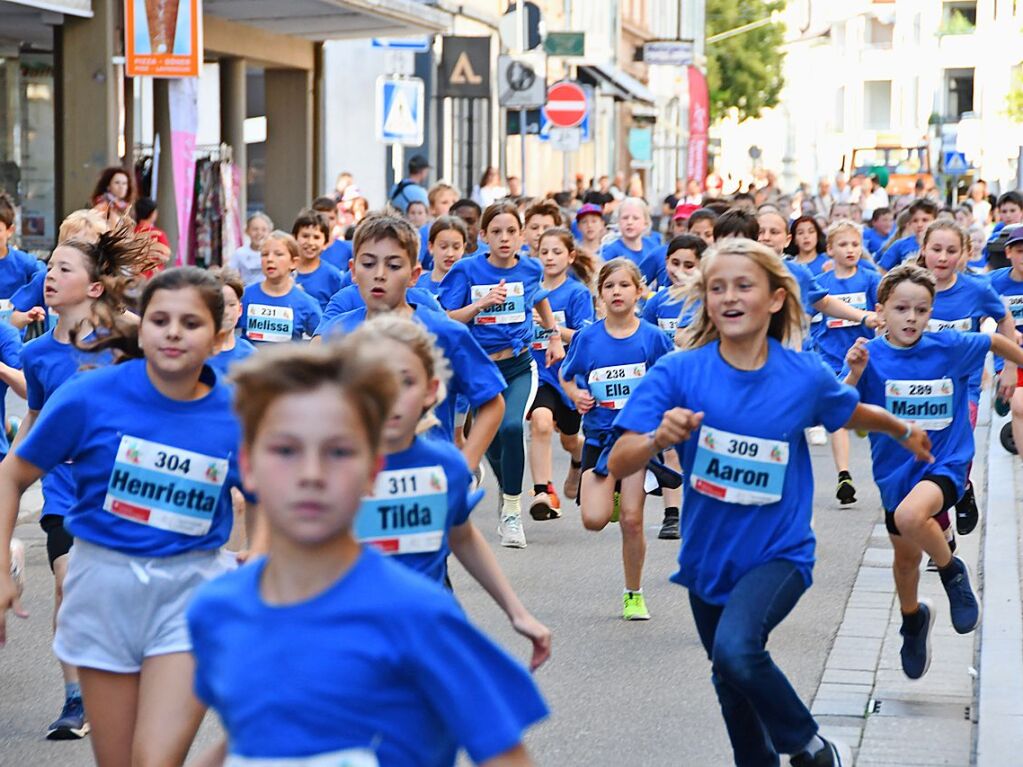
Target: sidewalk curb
point(1000, 695)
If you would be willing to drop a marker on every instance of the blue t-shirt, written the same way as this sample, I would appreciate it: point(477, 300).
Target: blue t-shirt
point(610, 369)
point(394, 668)
point(810, 292)
point(420, 494)
point(667, 313)
point(30, 295)
point(650, 259)
point(338, 254)
point(1011, 291)
point(424, 247)
point(899, 252)
point(275, 319)
point(222, 362)
point(473, 374)
point(152, 474)
point(749, 495)
point(835, 336)
point(816, 266)
point(425, 282)
point(10, 354)
point(873, 240)
point(962, 307)
point(926, 384)
point(48, 363)
point(348, 299)
point(508, 325)
point(572, 305)
point(17, 269)
point(321, 283)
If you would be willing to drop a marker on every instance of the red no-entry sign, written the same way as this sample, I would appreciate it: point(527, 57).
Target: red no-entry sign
point(566, 105)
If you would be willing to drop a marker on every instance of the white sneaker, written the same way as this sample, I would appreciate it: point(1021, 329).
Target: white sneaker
point(511, 532)
point(18, 564)
point(817, 435)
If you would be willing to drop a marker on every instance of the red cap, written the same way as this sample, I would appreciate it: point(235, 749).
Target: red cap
point(684, 210)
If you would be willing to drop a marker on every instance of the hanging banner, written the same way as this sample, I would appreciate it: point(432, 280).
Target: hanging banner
point(183, 96)
point(163, 38)
point(699, 126)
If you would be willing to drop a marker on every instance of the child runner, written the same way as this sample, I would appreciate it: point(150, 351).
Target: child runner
point(441, 197)
point(604, 365)
point(315, 276)
point(589, 219)
point(247, 260)
point(808, 244)
point(277, 310)
point(421, 501)
point(925, 377)
point(539, 217)
point(417, 214)
point(232, 348)
point(151, 512)
point(736, 404)
point(922, 213)
point(495, 295)
point(1008, 283)
point(399, 677)
point(471, 213)
point(701, 223)
point(16, 267)
point(339, 250)
point(446, 242)
point(572, 305)
point(633, 217)
point(856, 286)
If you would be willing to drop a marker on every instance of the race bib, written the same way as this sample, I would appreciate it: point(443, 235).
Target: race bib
point(512, 311)
point(927, 404)
point(272, 324)
point(165, 487)
point(612, 386)
point(406, 513)
point(856, 300)
point(542, 336)
point(964, 325)
point(1014, 305)
point(669, 325)
point(350, 757)
point(6, 309)
point(739, 469)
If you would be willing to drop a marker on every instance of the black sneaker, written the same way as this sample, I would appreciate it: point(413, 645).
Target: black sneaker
point(834, 754)
point(669, 527)
point(962, 602)
point(967, 513)
point(846, 492)
point(916, 648)
point(71, 724)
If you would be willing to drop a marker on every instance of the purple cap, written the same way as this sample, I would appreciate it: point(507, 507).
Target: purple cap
point(589, 209)
point(1015, 235)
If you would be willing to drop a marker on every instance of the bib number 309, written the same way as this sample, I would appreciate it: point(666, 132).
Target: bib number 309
point(738, 469)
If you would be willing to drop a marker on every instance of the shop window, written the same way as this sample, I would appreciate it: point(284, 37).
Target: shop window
point(877, 104)
point(958, 93)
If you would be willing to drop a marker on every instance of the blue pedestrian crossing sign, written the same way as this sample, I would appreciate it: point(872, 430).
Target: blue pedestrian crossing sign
point(400, 111)
point(955, 163)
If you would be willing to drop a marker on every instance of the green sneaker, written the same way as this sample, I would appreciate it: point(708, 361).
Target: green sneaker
point(617, 510)
point(634, 607)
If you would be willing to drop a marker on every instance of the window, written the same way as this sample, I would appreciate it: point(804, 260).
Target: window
point(879, 34)
point(958, 93)
point(958, 18)
point(877, 104)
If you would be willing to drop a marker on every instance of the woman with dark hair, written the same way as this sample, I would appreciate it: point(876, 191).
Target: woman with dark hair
point(489, 190)
point(808, 245)
point(114, 193)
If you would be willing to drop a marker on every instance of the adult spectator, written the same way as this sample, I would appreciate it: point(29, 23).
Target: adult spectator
point(979, 203)
point(489, 189)
point(842, 192)
point(412, 188)
point(876, 198)
point(673, 199)
point(114, 194)
point(823, 200)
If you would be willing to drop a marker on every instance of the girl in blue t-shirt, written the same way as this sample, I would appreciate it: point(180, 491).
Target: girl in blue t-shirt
point(495, 295)
point(605, 363)
point(924, 377)
point(808, 244)
point(572, 304)
point(421, 500)
point(154, 444)
point(850, 283)
point(277, 310)
point(446, 245)
point(633, 219)
point(388, 670)
point(232, 348)
point(735, 404)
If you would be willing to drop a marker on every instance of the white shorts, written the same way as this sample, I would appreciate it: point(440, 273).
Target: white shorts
point(119, 609)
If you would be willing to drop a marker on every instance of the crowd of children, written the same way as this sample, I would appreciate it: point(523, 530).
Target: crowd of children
point(348, 392)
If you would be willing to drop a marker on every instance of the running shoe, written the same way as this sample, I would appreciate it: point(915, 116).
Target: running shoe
point(18, 564)
point(542, 508)
point(834, 754)
point(916, 648)
point(555, 501)
point(634, 607)
point(817, 435)
point(967, 513)
point(962, 602)
point(846, 492)
point(616, 510)
point(670, 527)
point(571, 488)
point(71, 724)
point(511, 532)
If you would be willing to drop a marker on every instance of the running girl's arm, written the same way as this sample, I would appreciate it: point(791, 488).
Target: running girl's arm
point(632, 451)
point(15, 379)
point(213, 756)
point(833, 307)
point(485, 424)
point(1007, 348)
point(555, 348)
point(497, 295)
point(515, 757)
point(581, 398)
point(21, 320)
point(25, 428)
point(16, 476)
point(476, 556)
point(877, 419)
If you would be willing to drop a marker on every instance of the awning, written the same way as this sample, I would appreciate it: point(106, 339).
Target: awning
point(323, 20)
point(616, 82)
point(73, 7)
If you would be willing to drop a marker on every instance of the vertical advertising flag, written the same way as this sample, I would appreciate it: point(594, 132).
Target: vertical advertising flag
point(163, 38)
point(183, 95)
point(699, 126)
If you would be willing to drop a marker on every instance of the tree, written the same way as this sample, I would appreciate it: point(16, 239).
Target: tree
point(1014, 99)
point(744, 71)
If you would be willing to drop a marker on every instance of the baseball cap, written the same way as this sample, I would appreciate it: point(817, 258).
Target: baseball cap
point(1015, 235)
point(589, 209)
point(417, 163)
point(684, 210)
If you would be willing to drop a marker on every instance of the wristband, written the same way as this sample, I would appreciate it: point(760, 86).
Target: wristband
point(907, 435)
point(652, 436)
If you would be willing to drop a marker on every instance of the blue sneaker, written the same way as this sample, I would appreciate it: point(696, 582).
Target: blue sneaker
point(71, 724)
point(916, 648)
point(962, 602)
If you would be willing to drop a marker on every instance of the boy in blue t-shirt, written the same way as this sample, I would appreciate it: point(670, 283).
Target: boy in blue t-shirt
point(277, 310)
point(921, 213)
point(17, 268)
point(317, 278)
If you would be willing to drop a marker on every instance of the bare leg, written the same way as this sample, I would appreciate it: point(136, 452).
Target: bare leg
point(541, 429)
point(672, 497)
point(169, 714)
point(840, 449)
point(573, 445)
point(1016, 404)
point(915, 520)
point(110, 702)
point(633, 539)
point(906, 569)
point(597, 500)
